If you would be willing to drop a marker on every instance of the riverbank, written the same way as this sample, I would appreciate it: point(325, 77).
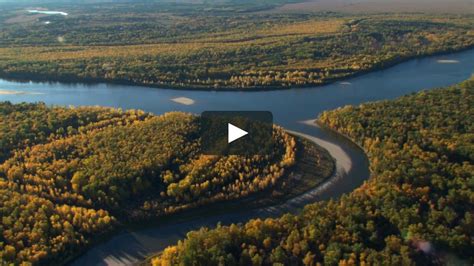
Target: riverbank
point(318, 123)
point(73, 80)
point(313, 166)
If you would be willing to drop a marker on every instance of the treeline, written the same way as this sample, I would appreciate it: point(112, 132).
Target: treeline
point(417, 207)
point(89, 170)
point(215, 51)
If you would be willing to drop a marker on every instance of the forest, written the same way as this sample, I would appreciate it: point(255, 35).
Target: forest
point(417, 207)
point(228, 46)
point(71, 175)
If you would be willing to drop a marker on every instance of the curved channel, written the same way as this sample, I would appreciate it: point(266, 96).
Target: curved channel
point(130, 247)
point(290, 109)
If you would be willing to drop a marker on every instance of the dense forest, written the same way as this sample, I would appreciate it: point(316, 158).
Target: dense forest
point(417, 208)
point(70, 175)
point(215, 47)
point(23, 125)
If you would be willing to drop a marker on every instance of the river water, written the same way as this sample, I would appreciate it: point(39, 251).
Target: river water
point(290, 108)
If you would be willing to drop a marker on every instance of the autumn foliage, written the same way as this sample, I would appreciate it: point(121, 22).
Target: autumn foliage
point(85, 171)
point(417, 208)
point(207, 50)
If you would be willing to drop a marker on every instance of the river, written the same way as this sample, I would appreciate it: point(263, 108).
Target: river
point(291, 108)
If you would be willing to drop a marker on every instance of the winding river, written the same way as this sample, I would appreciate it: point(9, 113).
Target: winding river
point(293, 109)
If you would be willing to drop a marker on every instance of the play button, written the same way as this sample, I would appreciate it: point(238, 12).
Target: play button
point(234, 133)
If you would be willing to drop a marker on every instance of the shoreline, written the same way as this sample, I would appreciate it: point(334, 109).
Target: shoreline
point(20, 77)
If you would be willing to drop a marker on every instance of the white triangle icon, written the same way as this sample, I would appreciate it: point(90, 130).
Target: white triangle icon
point(234, 133)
